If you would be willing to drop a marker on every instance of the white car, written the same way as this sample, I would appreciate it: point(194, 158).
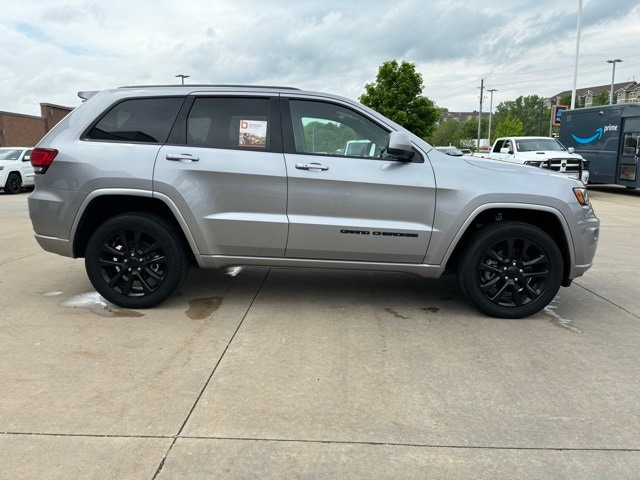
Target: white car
point(16, 171)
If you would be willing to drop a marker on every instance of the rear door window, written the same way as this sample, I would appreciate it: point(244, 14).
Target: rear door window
point(139, 120)
point(239, 123)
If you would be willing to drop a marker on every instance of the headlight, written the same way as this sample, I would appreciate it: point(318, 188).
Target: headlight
point(582, 195)
point(533, 164)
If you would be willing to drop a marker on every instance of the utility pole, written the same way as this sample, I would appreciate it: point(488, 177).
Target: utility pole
point(480, 113)
point(490, 112)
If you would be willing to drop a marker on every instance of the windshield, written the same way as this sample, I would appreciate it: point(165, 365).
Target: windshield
point(9, 154)
point(538, 144)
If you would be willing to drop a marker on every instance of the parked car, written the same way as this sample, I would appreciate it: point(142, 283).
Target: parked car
point(453, 151)
point(16, 171)
point(143, 181)
point(466, 151)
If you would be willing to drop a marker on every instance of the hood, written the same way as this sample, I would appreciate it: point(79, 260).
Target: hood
point(8, 162)
point(503, 166)
point(545, 154)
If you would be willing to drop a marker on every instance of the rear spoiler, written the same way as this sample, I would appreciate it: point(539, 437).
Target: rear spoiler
point(87, 95)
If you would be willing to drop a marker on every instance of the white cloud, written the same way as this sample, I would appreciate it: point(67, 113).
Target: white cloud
point(57, 48)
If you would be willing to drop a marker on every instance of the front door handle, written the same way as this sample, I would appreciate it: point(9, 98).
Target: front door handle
point(182, 157)
point(311, 166)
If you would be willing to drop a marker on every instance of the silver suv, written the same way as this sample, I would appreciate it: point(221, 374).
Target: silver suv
point(143, 181)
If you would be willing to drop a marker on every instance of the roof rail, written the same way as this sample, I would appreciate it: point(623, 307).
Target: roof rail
point(191, 85)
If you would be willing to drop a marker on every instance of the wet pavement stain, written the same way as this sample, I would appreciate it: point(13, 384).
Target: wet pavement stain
point(430, 309)
point(395, 314)
point(558, 320)
point(201, 308)
point(96, 304)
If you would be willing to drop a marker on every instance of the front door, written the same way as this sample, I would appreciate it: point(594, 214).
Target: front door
point(348, 199)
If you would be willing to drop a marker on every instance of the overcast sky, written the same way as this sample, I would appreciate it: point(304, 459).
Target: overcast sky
point(53, 49)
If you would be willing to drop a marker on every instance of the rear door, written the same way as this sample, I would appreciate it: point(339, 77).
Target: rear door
point(348, 199)
point(223, 167)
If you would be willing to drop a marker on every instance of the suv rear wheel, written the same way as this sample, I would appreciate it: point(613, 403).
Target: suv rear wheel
point(136, 260)
point(510, 269)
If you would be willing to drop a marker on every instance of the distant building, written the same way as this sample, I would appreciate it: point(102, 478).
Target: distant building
point(458, 116)
point(624, 92)
point(18, 130)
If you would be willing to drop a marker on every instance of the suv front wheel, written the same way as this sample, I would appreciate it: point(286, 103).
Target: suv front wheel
point(136, 260)
point(510, 269)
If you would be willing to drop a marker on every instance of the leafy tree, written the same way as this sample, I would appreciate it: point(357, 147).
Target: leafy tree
point(509, 127)
point(601, 99)
point(397, 94)
point(566, 100)
point(530, 110)
point(327, 137)
point(447, 133)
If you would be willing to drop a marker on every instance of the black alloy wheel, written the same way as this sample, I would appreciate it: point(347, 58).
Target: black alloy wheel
point(14, 184)
point(511, 270)
point(136, 260)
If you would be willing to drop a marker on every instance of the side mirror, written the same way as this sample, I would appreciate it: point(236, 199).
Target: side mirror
point(400, 146)
point(571, 149)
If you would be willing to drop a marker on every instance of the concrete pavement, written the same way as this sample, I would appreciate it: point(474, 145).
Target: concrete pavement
point(275, 373)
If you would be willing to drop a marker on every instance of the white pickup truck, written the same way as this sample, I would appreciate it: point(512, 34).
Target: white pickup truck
point(542, 152)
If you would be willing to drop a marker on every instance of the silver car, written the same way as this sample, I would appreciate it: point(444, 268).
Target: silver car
point(143, 181)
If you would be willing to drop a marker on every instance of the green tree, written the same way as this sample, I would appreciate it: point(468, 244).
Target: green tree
point(447, 133)
point(530, 110)
point(397, 94)
point(601, 99)
point(566, 100)
point(509, 127)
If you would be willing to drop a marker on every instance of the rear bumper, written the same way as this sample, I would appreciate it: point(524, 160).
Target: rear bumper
point(54, 245)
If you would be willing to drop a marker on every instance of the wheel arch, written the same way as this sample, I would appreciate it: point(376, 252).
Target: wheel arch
point(102, 205)
point(549, 220)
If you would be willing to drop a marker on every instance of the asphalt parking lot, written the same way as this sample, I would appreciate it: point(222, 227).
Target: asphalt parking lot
point(272, 373)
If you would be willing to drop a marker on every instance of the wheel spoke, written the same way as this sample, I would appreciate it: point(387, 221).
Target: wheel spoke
point(150, 248)
point(496, 298)
point(116, 278)
point(490, 268)
point(123, 239)
point(544, 274)
point(107, 262)
point(539, 259)
point(490, 284)
point(126, 289)
point(154, 275)
point(515, 294)
point(136, 240)
point(145, 286)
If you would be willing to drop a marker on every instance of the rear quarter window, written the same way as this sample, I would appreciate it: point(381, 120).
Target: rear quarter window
point(140, 120)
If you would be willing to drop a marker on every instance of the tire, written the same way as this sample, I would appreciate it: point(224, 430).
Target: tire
point(14, 184)
point(136, 260)
point(510, 269)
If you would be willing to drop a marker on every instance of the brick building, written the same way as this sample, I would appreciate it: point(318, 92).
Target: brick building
point(18, 130)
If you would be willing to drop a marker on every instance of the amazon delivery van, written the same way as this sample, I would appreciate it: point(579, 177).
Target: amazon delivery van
point(608, 137)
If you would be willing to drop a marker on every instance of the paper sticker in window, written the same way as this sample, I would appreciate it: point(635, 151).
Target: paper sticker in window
point(253, 133)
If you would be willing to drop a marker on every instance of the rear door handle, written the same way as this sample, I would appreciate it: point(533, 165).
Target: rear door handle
point(311, 166)
point(182, 157)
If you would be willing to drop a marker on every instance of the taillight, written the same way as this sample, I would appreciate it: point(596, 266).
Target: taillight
point(41, 158)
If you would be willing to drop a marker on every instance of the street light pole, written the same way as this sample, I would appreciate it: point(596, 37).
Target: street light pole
point(490, 112)
point(575, 69)
point(182, 77)
point(613, 76)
